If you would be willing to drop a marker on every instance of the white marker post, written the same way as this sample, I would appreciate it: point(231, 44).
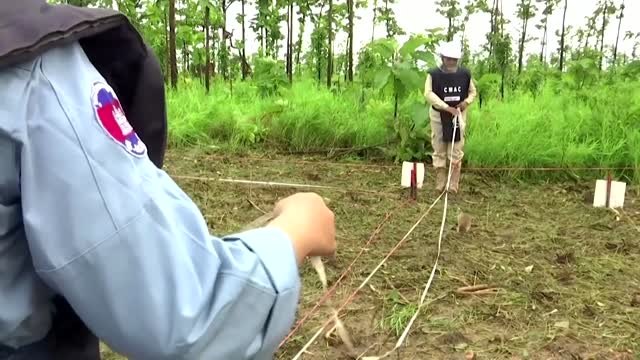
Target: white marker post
point(412, 177)
point(609, 193)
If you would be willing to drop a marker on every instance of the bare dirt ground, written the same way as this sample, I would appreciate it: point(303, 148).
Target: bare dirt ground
point(567, 274)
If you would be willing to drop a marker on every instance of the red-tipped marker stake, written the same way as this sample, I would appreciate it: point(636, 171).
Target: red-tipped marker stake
point(415, 181)
point(412, 193)
point(608, 189)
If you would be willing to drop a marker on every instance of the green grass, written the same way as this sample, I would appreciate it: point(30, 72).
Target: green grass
point(560, 127)
point(304, 117)
point(583, 261)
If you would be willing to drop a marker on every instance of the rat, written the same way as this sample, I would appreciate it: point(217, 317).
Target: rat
point(464, 222)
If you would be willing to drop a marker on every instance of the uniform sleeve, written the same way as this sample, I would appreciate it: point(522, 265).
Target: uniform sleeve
point(431, 97)
point(472, 92)
point(126, 246)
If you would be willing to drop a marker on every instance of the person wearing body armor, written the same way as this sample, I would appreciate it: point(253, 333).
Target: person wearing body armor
point(449, 89)
point(96, 240)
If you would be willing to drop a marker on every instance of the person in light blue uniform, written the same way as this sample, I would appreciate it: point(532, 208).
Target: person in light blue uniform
point(86, 214)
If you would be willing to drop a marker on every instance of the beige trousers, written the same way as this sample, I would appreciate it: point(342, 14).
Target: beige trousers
point(442, 150)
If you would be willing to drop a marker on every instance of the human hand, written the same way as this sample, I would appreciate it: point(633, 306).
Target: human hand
point(453, 111)
point(309, 223)
point(463, 106)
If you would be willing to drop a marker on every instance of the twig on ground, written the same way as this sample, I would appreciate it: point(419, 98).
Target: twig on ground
point(478, 290)
point(374, 289)
point(256, 206)
point(459, 279)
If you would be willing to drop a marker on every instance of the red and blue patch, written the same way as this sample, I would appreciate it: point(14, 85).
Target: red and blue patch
point(112, 119)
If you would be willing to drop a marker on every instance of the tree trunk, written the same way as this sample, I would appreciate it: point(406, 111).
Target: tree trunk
point(387, 21)
point(167, 52)
point(207, 60)
point(615, 49)
point(300, 38)
point(318, 63)
point(185, 58)
point(330, 45)
point(223, 45)
point(562, 37)
point(501, 18)
point(375, 18)
point(244, 42)
point(173, 62)
point(350, 50)
point(523, 38)
point(604, 25)
point(494, 27)
point(543, 57)
point(290, 41)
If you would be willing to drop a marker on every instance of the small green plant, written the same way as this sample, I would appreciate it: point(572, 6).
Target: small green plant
point(270, 76)
point(400, 73)
point(397, 317)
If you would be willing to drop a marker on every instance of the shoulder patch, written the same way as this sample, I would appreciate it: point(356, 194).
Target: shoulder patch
point(111, 118)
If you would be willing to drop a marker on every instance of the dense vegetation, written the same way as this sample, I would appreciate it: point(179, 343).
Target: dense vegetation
point(558, 107)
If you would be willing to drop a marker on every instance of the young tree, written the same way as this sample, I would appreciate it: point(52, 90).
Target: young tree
point(290, 40)
point(351, 12)
point(615, 49)
point(207, 18)
point(172, 44)
point(242, 18)
point(548, 9)
point(330, 37)
point(563, 35)
point(526, 11)
point(452, 11)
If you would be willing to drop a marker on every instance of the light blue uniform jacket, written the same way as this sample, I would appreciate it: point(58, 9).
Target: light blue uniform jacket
point(82, 216)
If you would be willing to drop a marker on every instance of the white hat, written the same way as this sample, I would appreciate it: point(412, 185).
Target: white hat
point(450, 50)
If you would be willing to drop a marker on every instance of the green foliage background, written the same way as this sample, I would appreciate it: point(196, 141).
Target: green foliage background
point(559, 108)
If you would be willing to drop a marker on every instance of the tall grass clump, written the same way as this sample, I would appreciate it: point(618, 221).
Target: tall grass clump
point(302, 117)
point(563, 126)
point(567, 122)
point(312, 117)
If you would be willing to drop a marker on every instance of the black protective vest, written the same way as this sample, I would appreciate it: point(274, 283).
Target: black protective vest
point(29, 28)
point(452, 88)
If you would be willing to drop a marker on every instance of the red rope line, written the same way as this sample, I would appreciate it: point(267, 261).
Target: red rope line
point(329, 292)
point(352, 296)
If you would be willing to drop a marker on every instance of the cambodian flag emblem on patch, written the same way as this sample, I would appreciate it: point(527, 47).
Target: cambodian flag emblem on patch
point(111, 117)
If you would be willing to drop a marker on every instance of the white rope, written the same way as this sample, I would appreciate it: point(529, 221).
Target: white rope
point(317, 264)
point(405, 333)
point(306, 346)
point(428, 285)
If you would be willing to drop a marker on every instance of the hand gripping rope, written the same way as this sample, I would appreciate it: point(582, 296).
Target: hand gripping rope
point(317, 264)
